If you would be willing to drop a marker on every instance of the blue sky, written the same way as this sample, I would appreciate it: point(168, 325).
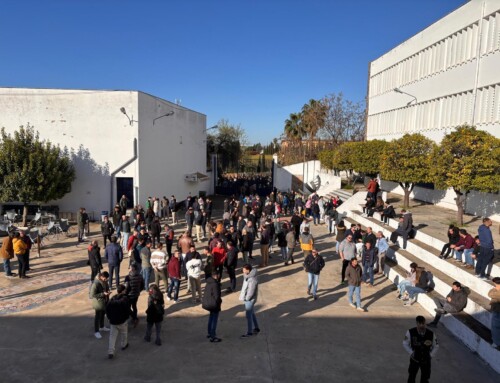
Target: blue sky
point(251, 62)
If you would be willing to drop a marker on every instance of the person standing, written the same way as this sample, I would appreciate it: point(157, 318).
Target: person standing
point(99, 293)
point(486, 250)
point(212, 302)
point(156, 231)
point(249, 293)
point(422, 345)
point(125, 230)
point(20, 252)
point(147, 269)
point(313, 264)
point(106, 231)
point(494, 295)
point(265, 241)
point(174, 272)
point(159, 265)
point(369, 258)
point(154, 313)
point(231, 263)
point(347, 251)
point(134, 283)
point(118, 312)
point(169, 239)
point(7, 253)
point(123, 203)
point(194, 267)
point(95, 262)
point(290, 246)
point(114, 255)
point(27, 240)
point(173, 209)
point(81, 221)
point(382, 247)
point(220, 254)
point(306, 242)
point(353, 274)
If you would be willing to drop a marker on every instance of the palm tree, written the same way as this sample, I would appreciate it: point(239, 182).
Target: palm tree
point(313, 117)
point(293, 127)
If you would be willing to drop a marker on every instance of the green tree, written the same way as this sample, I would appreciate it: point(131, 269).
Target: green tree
point(344, 157)
point(227, 143)
point(294, 129)
point(32, 170)
point(407, 161)
point(367, 156)
point(467, 159)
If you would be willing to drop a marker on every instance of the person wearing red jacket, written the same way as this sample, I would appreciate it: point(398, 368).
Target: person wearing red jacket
point(220, 254)
point(174, 271)
point(465, 245)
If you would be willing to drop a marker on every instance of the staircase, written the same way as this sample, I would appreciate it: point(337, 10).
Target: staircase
point(472, 326)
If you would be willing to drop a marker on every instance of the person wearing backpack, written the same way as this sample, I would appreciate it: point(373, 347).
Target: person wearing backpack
point(212, 302)
point(455, 302)
point(154, 313)
point(313, 264)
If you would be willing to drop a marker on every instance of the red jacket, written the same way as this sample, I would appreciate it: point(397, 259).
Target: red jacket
point(220, 255)
point(130, 242)
point(174, 268)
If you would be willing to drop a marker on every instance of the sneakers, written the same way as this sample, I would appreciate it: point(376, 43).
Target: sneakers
point(360, 309)
point(244, 336)
point(256, 331)
point(98, 335)
point(352, 305)
point(168, 298)
point(440, 311)
point(215, 340)
point(105, 329)
point(110, 356)
point(410, 301)
point(309, 292)
point(158, 342)
point(125, 347)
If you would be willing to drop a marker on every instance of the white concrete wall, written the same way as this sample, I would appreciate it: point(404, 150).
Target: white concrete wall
point(90, 124)
point(170, 149)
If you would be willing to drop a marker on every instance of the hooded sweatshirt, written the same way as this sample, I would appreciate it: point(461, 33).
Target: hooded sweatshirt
point(250, 288)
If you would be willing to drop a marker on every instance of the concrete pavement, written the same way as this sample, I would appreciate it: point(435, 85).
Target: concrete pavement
point(301, 340)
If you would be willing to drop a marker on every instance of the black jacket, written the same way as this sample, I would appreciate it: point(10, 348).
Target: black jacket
point(212, 300)
point(155, 310)
point(118, 309)
point(314, 264)
point(107, 228)
point(232, 258)
point(95, 258)
point(135, 284)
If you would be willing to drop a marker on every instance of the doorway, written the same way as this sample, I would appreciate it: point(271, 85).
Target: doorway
point(125, 186)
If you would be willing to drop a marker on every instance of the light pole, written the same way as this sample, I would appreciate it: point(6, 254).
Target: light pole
point(165, 115)
point(397, 90)
point(130, 120)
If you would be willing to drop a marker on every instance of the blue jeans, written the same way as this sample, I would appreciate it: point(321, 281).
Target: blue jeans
point(146, 274)
point(116, 270)
point(312, 281)
point(357, 290)
point(250, 314)
point(315, 218)
point(413, 291)
point(284, 253)
point(6, 267)
point(483, 259)
point(368, 272)
point(495, 327)
point(117, 230)
point(468, 256)
point(212, 323)
point(125, 237)
point(403, 285)
point(331, 226)
point(174, 284)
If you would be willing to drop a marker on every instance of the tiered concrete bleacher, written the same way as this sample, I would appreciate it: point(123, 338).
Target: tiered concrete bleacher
point(472, 326)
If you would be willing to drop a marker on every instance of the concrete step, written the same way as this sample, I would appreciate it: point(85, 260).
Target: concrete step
point(477, 306)
point(342, 193)
point(469, 331)
point(430, 255)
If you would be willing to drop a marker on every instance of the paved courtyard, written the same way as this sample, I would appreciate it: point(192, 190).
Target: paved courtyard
point(50, 337)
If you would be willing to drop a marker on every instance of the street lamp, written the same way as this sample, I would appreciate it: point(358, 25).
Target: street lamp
point(165, 115)
point(397, 90)
point(130, 120)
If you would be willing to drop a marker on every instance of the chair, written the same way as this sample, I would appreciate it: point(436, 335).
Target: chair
point(12, 216)
point(37, 220)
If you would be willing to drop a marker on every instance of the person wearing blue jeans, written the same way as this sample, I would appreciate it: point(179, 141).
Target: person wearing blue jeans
point(353, 275)
point(249, 293)
point(486, 249)
point(369, 257)
point(313, 265)
point(212, 302)
point(173, 286)
point(7, 253)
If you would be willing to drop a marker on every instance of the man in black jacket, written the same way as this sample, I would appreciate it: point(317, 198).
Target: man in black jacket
point(212, 302)
point(118, 312)
point(422, 345)
point(313, 264)
point(455, 302)
point(231, 264)
point(106, 230)
point(134, 284)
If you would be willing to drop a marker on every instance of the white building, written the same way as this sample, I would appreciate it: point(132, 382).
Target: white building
point(149, 155)
point(447, 75)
